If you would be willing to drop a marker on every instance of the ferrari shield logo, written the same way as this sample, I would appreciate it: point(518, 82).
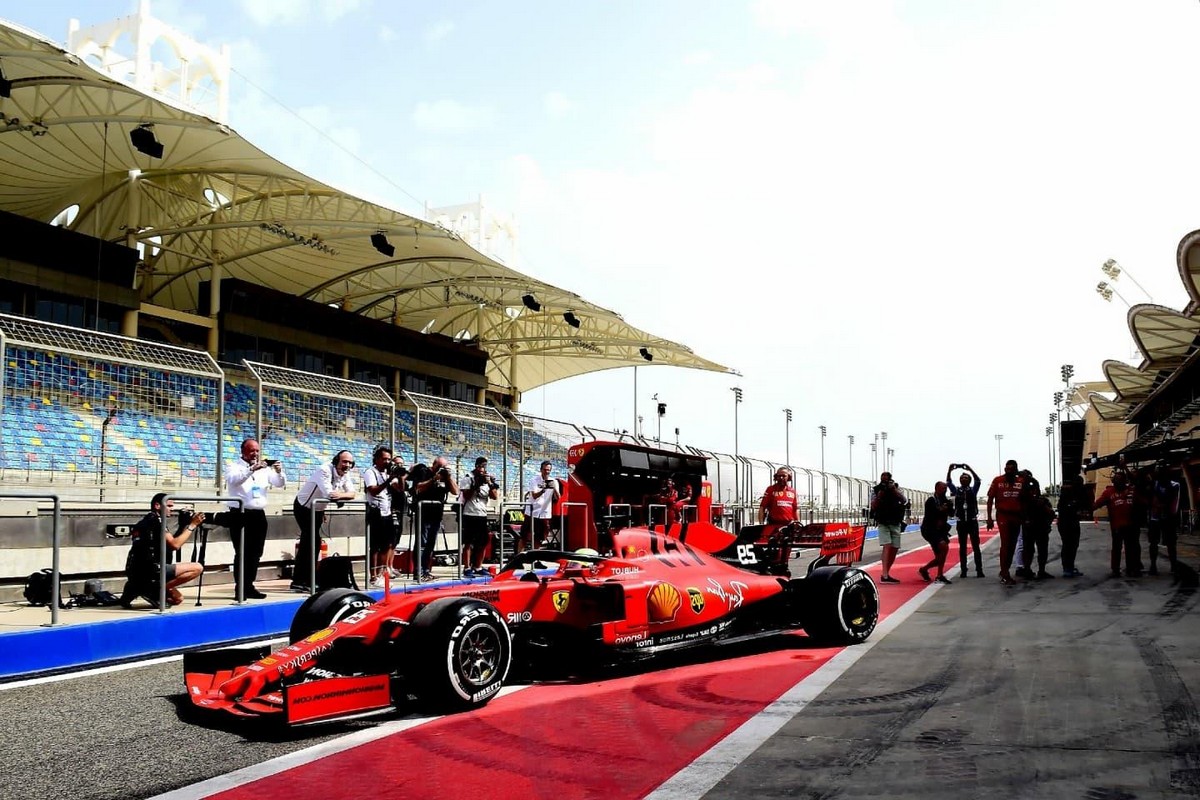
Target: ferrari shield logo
point(561, 600)
point(696, 597)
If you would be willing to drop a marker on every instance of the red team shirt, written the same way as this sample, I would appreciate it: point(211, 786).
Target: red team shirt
point(1120, 505)
point(1006, 496)
point(780, 504)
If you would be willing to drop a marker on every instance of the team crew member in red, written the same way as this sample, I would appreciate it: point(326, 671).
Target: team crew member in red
point(1005, 495)
point(1120, 499)
point(779, 501)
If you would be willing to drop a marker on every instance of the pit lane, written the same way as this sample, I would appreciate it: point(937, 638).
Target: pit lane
point(1061, 688)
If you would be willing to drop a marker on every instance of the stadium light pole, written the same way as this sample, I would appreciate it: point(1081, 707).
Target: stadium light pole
point(1067, 371)
point(850, 469)
point(1114, 271)
point(1050, 450)
point(891, 458)
point(824, 480)
point(787, 437)
point(874, 458)
point(883, 449)
point(999, 463)
point(1053, 467)
point(737, 464)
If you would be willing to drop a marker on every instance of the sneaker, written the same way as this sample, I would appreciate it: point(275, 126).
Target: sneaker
point(393, 574)
point(468, 573)
point(254, 594)
point(962, 573)
point(426, 577)
point(924, 574)
point(978, 573)
point(942, 579)
point(888, 579)
point(1042, 575)
point(377, 582)
point(300, 588)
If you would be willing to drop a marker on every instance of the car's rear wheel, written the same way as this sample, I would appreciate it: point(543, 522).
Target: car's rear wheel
point(838, 605)
point(325, 608)
point(462, 652)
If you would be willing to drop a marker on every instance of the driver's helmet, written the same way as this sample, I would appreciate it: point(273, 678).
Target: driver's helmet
point(583, 551)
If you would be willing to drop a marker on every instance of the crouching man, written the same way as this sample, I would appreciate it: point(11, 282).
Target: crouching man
point(142, 565)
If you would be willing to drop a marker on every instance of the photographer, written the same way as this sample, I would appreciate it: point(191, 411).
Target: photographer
point(142, 568)
point(966, 510)
point(547, 491)
point(935, 529)
point(249, 478)
point(479, 489)
point(430, 484)
point(887, 507)
point(380, 482)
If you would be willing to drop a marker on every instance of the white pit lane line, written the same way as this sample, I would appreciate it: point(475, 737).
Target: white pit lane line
point(709, 769)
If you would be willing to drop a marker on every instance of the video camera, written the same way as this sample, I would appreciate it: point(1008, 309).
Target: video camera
point(397, 472)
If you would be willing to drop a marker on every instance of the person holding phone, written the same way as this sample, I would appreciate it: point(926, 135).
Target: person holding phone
point(966, 512)
point(249, 478)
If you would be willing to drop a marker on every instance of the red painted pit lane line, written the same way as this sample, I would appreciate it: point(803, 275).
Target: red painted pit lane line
point(602, 739)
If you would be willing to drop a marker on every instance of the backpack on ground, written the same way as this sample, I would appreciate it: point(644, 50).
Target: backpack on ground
point(336, 572)
point(39, 587)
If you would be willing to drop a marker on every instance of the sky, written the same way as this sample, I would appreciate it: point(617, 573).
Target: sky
point(887, 216)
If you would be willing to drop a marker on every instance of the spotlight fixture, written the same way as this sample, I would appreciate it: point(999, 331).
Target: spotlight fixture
point(646, 354)
point(571, 319)
point(531, 302)
point(142, 139)
point(380, 243)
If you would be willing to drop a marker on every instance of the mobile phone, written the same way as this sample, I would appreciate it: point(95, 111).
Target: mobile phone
point(272, 461)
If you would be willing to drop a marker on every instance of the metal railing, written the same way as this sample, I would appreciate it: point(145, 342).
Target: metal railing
point(55, 545)
point(324, 502)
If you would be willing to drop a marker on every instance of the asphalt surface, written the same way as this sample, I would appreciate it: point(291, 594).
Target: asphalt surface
point(1063, 688)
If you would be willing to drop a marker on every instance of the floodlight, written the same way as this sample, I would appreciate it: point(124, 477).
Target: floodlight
point(531, 302)
point(381, 243)
point(646, 354)
point(142, 139)
point(571, 319)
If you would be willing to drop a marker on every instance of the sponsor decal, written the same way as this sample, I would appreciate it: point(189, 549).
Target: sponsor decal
point(359, 616)
point(730, 595)
point(561, 601)
point(485, 693)
point(486, 595)
point(513, 617)
point(630, 638)
point(335, 696)
point(268, 661)
point(324, 633)
point(663, 602)
point(304, 658)
point(696, 598)
point(319, 672)
point(625, 570)
point(629, 551)
point(854, 577)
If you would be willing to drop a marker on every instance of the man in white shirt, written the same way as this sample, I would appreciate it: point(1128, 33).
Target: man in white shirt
point(546, 492)
point(478, 490)
point(328, 482)
point(248, 478)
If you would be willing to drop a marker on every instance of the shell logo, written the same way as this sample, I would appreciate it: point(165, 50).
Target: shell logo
point(706, 491)
point(319, 635)
point(696, 598)
point(561, 600)
point(663, 602)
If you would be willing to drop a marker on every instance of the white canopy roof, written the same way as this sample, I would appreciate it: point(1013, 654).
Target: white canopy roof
point(214, 201)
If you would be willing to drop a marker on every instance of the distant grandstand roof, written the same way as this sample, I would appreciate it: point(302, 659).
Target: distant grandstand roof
point(214, 198)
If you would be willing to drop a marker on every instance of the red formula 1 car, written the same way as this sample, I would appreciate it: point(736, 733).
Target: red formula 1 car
point(629, 592)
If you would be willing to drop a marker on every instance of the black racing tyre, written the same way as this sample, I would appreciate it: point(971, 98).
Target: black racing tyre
point(838, 605)
point(325, 608)
point(462, 652)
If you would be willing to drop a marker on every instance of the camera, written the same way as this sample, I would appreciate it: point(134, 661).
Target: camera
point(396, 471)
point(956, 466)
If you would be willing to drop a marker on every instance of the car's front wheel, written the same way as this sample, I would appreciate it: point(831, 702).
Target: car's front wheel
point(837, 605)
point(325, 608)
point(462, 652)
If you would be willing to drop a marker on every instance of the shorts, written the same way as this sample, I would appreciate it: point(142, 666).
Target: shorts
point(935, 538)
point(382, 530)
point(474, 531)
point(889, 533)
